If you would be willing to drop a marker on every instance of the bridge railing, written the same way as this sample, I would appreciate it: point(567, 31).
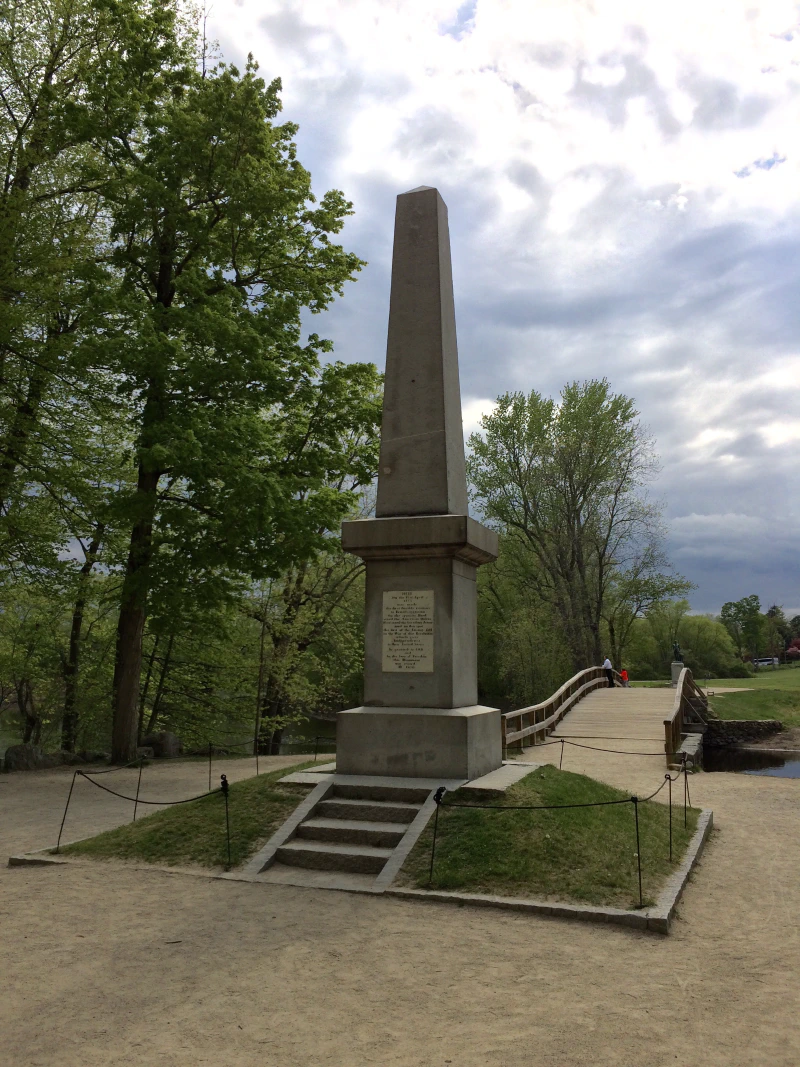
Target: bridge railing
point(690, 706)
point(534, 723)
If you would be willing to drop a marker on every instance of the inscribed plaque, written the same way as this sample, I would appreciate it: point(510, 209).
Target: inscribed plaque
point(408, 630)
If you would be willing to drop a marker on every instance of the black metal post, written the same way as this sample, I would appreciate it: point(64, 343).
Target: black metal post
point(635, 801)
point(66, 809)
point(138, 786)
point(316, 745)
point(669, 779)
point(225, 788)
point(209, 766)
point(437, 796)
point(561, 760)
point(685, 792)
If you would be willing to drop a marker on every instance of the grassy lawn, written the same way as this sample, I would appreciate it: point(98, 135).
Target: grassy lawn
point(783, 678)
point(786, 678)
point(783, 704)
point(587, 855)
point(195, 833)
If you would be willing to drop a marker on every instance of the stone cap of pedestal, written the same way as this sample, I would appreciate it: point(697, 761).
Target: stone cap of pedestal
point(420, 536)
point(466, 712)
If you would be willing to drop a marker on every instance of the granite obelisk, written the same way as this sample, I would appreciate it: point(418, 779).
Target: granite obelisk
point(420, 716)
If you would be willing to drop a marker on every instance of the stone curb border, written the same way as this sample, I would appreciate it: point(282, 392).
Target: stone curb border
point(656, 919)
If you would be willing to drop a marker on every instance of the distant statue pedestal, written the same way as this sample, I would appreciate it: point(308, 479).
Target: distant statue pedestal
point(420, 717)
point(677, 666)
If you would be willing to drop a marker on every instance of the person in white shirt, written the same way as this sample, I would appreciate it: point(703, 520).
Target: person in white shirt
point(609, 671)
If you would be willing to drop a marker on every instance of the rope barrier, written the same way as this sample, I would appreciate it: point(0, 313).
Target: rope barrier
point(162, 803)
point(634, 800)
point(594, 748)
point(136, 801)
point(140, 762)
point(111, 770)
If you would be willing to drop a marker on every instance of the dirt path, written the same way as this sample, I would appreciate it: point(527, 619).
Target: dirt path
point(120, 966)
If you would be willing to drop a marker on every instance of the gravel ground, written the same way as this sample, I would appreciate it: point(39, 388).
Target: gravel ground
point(112, 965)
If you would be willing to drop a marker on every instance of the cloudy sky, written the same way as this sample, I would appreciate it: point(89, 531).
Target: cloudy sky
point(623, 185)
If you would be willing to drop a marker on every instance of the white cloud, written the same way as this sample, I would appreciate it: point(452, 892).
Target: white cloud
point(473, 410)
point(589, 157)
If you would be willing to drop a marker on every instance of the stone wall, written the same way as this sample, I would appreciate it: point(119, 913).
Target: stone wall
point(722, 732)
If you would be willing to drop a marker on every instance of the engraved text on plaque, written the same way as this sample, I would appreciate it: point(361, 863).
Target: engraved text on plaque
point(408, 630)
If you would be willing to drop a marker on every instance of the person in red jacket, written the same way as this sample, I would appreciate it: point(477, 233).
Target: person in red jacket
point(624, 676)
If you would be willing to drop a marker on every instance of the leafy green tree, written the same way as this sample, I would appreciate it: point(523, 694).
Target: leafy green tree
point(635, 590)
point(777, 630)
point(310, 622)
point(523, 655)
point(75, 77)
point(217, 246)
point(743, 621)
point(31, 636)
point(567, 479)
point(706, 644)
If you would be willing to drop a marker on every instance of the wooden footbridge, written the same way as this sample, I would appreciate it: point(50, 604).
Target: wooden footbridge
point(586, 710)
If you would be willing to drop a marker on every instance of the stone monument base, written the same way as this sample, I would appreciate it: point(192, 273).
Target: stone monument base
point(419, 742)
point(676, 667)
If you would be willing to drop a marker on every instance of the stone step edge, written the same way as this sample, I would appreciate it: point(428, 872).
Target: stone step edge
point(302, 844)
point(325, 823)
point(360, 803)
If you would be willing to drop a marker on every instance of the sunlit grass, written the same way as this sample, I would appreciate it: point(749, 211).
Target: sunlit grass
point(195, 833)
point(760, 704)
point(586, 855)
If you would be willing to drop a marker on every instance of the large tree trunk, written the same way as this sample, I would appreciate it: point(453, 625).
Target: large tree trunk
point(616, 646)
point(143, 694)
point(151, 724)
point(15, 446)
point(260, 682)
point(130, 628)
point(69, 722)
point(272, 710)
point(31, 724)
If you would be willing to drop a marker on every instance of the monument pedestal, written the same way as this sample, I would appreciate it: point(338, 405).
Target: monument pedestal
point(419, 742)
point(676, 667)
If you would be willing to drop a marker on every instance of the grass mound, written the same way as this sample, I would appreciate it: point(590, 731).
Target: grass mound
point(760, 704)
point(195, 833)
point(584, 855)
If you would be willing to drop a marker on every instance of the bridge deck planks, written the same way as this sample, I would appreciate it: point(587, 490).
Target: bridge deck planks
point(619, 715)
